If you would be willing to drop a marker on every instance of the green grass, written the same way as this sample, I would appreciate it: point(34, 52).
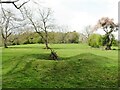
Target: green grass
point(27, 66)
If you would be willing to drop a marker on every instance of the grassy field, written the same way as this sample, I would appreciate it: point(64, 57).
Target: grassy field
point(27, 66)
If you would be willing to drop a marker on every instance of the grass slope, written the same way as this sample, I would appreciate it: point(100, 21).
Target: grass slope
point(27, 66)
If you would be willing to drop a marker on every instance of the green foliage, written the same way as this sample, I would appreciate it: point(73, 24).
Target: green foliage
point(27, 42)
point(59, 37)
point(54, 37)
point(95, 40)
point(27, 66)
point(113, 41)
point(108, 26)
point(72, 37)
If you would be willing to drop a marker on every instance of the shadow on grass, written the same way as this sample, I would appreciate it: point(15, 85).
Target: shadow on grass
point(40, 56)
point(40, 47)
point(47, 56)
point(23, 47)
point(84, 66)
point(79, 57)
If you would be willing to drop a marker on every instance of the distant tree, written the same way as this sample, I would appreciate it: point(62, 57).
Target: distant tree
point(13, 40)
point(6, 25)
point(87, 31)
point(75, 36)
point(108, 26)
point(72, 37)
point(95, 40)
point(62, 36)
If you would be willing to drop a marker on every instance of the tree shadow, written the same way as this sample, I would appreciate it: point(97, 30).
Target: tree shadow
point(40, 56)
point(23, 47)
point(45, 56)
point(79, 57)
point(116, 49)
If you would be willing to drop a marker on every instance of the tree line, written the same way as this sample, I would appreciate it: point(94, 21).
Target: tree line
point(41, 22)
point(30, 37)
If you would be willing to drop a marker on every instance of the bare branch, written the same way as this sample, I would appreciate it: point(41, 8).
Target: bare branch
point(20, 5)
point(32, 22)
point(8, 34)
point(42, 24)
point(7, 26)
point(13, 2)
point(9, 1)
point(2, 33)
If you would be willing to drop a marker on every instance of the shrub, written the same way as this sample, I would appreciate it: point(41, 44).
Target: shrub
point(95, 40)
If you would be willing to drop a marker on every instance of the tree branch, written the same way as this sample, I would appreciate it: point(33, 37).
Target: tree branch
point(9, 1)
point(13, 2)
point(8, 34)
point(20, 5)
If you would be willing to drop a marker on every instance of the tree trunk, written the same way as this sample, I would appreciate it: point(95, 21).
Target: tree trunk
point(108, 42)
point(108, 47)
point(46, 40)
point(46, 45)
point(5, 44)
point(53, 55)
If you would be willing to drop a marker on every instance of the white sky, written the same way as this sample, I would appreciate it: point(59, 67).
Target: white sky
point(77, 14)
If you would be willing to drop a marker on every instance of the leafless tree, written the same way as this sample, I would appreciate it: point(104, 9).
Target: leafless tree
point(43, 24)
point(63, 29)
point(87, 31)
point(7, 25)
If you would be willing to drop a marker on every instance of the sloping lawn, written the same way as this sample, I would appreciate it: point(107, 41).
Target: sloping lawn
point(27, 66)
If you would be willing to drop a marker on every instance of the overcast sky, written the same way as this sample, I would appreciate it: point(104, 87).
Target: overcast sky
point(79, 13)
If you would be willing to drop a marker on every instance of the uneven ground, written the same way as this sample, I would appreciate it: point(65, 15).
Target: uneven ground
point(27, 66)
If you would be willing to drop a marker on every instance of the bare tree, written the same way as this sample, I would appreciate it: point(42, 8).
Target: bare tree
point(63, 29)
point(13, 2)
point(43, 24)
point(87, 31)
point(6, 25)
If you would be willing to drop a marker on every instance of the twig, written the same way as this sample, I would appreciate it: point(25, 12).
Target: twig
point(13, 2)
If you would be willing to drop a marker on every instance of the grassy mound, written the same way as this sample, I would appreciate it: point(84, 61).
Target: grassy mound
point(27, 66)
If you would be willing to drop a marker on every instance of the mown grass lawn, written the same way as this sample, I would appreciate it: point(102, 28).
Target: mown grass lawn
point(27, 66)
